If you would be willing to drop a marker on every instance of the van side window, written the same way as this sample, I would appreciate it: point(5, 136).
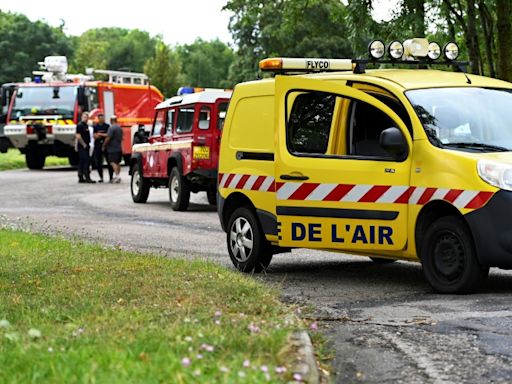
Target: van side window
point(185, 120)
point(204, 117)
point(365, 126)
point(309, 124)
point(170, 122)
point(158, 123)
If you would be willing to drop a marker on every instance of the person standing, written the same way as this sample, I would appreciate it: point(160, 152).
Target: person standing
point(100, 133)
point(113, 146)
point(83, 143)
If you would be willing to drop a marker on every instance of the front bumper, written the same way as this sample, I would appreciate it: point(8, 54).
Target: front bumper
point(491, 226)
point(17, 134)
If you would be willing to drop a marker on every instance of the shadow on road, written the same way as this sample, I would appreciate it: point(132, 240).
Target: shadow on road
point(192, 208)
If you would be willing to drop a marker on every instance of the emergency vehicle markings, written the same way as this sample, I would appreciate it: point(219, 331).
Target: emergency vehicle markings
point(355, 193)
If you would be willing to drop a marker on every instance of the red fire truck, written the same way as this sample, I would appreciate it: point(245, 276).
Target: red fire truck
point(42, 115)
point(182, 152)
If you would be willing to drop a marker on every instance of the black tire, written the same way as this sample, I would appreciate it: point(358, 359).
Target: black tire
point(448, 257)
point(212, 196)
point(35, 160)
point(381, 260)
point(139, 186)
point(73, 159)
point(248, 248)
point(126, 159)
point(179, 191)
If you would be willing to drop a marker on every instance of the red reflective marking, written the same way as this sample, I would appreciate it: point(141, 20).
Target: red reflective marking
point(258, 183)
point(272, 187)
point(242, 182)
point(404, 198)
point(220, 179)
point(303, 191)
point(425, 198)
point(453, 194)
point(278, 186)
point(338, 192)
point(374, 193)
point(230, 177)
point(479, 201)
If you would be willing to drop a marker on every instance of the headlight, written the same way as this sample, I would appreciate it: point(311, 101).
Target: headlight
point(434, 51)
point(496, 174)
point(451, 51)
point(396, 50)
point(376, 49)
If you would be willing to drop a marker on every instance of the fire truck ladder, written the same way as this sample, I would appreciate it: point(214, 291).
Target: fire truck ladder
point(124, 77)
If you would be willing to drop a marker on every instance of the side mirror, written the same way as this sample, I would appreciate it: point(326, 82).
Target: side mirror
point(393, 140)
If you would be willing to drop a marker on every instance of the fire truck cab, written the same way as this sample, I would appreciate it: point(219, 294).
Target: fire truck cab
point(42, 114)
point(183, 148)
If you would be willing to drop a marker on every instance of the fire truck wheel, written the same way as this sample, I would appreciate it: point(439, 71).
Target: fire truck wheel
point(179, 191)
point(449, 259)
point(381, 260)
point(35, 160)
point(212, 196)
point(248, 248)
point(139, 186)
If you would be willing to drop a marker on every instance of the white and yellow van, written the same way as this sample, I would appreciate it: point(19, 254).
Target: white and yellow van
point(410, 164)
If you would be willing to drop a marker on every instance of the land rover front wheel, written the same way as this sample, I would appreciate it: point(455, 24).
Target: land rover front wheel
point(139, 186)
point(35, 159)
point(248, 248)
point(179, 191)
point(448, 257)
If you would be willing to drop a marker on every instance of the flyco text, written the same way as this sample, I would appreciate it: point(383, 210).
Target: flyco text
point(317, 64)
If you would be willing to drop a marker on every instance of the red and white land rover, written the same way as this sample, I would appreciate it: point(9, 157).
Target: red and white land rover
point(182, 152)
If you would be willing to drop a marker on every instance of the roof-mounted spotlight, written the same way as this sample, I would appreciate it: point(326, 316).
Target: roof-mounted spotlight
point(376, 49)
point(395, 50)
point(451, 51)
point(434, 51)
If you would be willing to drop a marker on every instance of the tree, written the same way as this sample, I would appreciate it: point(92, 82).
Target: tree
point(164, 69)
point(24, 43)
point(206, 63)
point(504, 28)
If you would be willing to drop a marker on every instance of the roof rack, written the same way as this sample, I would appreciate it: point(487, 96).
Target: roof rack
point(360, 64)
point(123, 77)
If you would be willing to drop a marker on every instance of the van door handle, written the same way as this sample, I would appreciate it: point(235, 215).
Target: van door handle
point(294, 177)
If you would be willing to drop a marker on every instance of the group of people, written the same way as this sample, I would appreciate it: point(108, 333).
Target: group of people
point(93, 146)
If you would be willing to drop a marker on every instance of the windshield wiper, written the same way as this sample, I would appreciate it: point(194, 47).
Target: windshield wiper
point(491, 147)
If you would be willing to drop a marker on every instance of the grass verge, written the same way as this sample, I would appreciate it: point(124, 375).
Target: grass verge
point(14, 159)
point(74, 312)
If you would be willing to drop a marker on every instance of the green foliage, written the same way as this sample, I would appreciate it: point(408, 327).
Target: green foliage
point(13, 159)
point(164, 69)
point(77, 313)
point(206, 63)
point(24, 43)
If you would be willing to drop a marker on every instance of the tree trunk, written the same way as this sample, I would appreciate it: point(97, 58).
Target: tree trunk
point(488, 35)
point(417, 8)
point(504, 29)
point(472, 38)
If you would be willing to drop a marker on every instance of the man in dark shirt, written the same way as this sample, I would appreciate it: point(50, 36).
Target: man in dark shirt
point(113, 146)
point(83, 143)
point(100, 133)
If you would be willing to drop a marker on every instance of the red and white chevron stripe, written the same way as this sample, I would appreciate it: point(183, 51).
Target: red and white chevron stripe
point(361, 193)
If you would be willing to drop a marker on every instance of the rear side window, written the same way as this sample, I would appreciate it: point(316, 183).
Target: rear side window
point(185, 120)
point(310, 121)
point(204, 117)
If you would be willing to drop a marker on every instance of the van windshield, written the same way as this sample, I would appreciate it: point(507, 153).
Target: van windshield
point(467, 119)
point(44, 100)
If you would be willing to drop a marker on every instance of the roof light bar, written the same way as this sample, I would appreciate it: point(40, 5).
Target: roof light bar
point(288, 64)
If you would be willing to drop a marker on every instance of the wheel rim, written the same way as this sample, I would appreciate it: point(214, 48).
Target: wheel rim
point(136, 183)
point(241, 239)
point(175, 187)
point(449, 252)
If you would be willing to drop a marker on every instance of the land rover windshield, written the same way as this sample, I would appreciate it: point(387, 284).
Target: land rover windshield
point(467, 119)
point(47, 101)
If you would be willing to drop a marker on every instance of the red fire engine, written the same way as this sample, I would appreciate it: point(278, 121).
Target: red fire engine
point(182, 152)
point(42, 115)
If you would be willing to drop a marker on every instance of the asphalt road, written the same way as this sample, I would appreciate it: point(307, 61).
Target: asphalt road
point(383, 321)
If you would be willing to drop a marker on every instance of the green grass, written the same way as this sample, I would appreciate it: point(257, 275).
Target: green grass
point(107, 316)
point(14, 159)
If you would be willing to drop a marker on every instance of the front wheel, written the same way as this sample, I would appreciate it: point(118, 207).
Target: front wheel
point(139, 186)
point(35, 160)
point(248, 248)
point(179, 191)
point(448, 257)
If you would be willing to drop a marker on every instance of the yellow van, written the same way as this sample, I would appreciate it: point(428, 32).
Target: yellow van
point(409, 164)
